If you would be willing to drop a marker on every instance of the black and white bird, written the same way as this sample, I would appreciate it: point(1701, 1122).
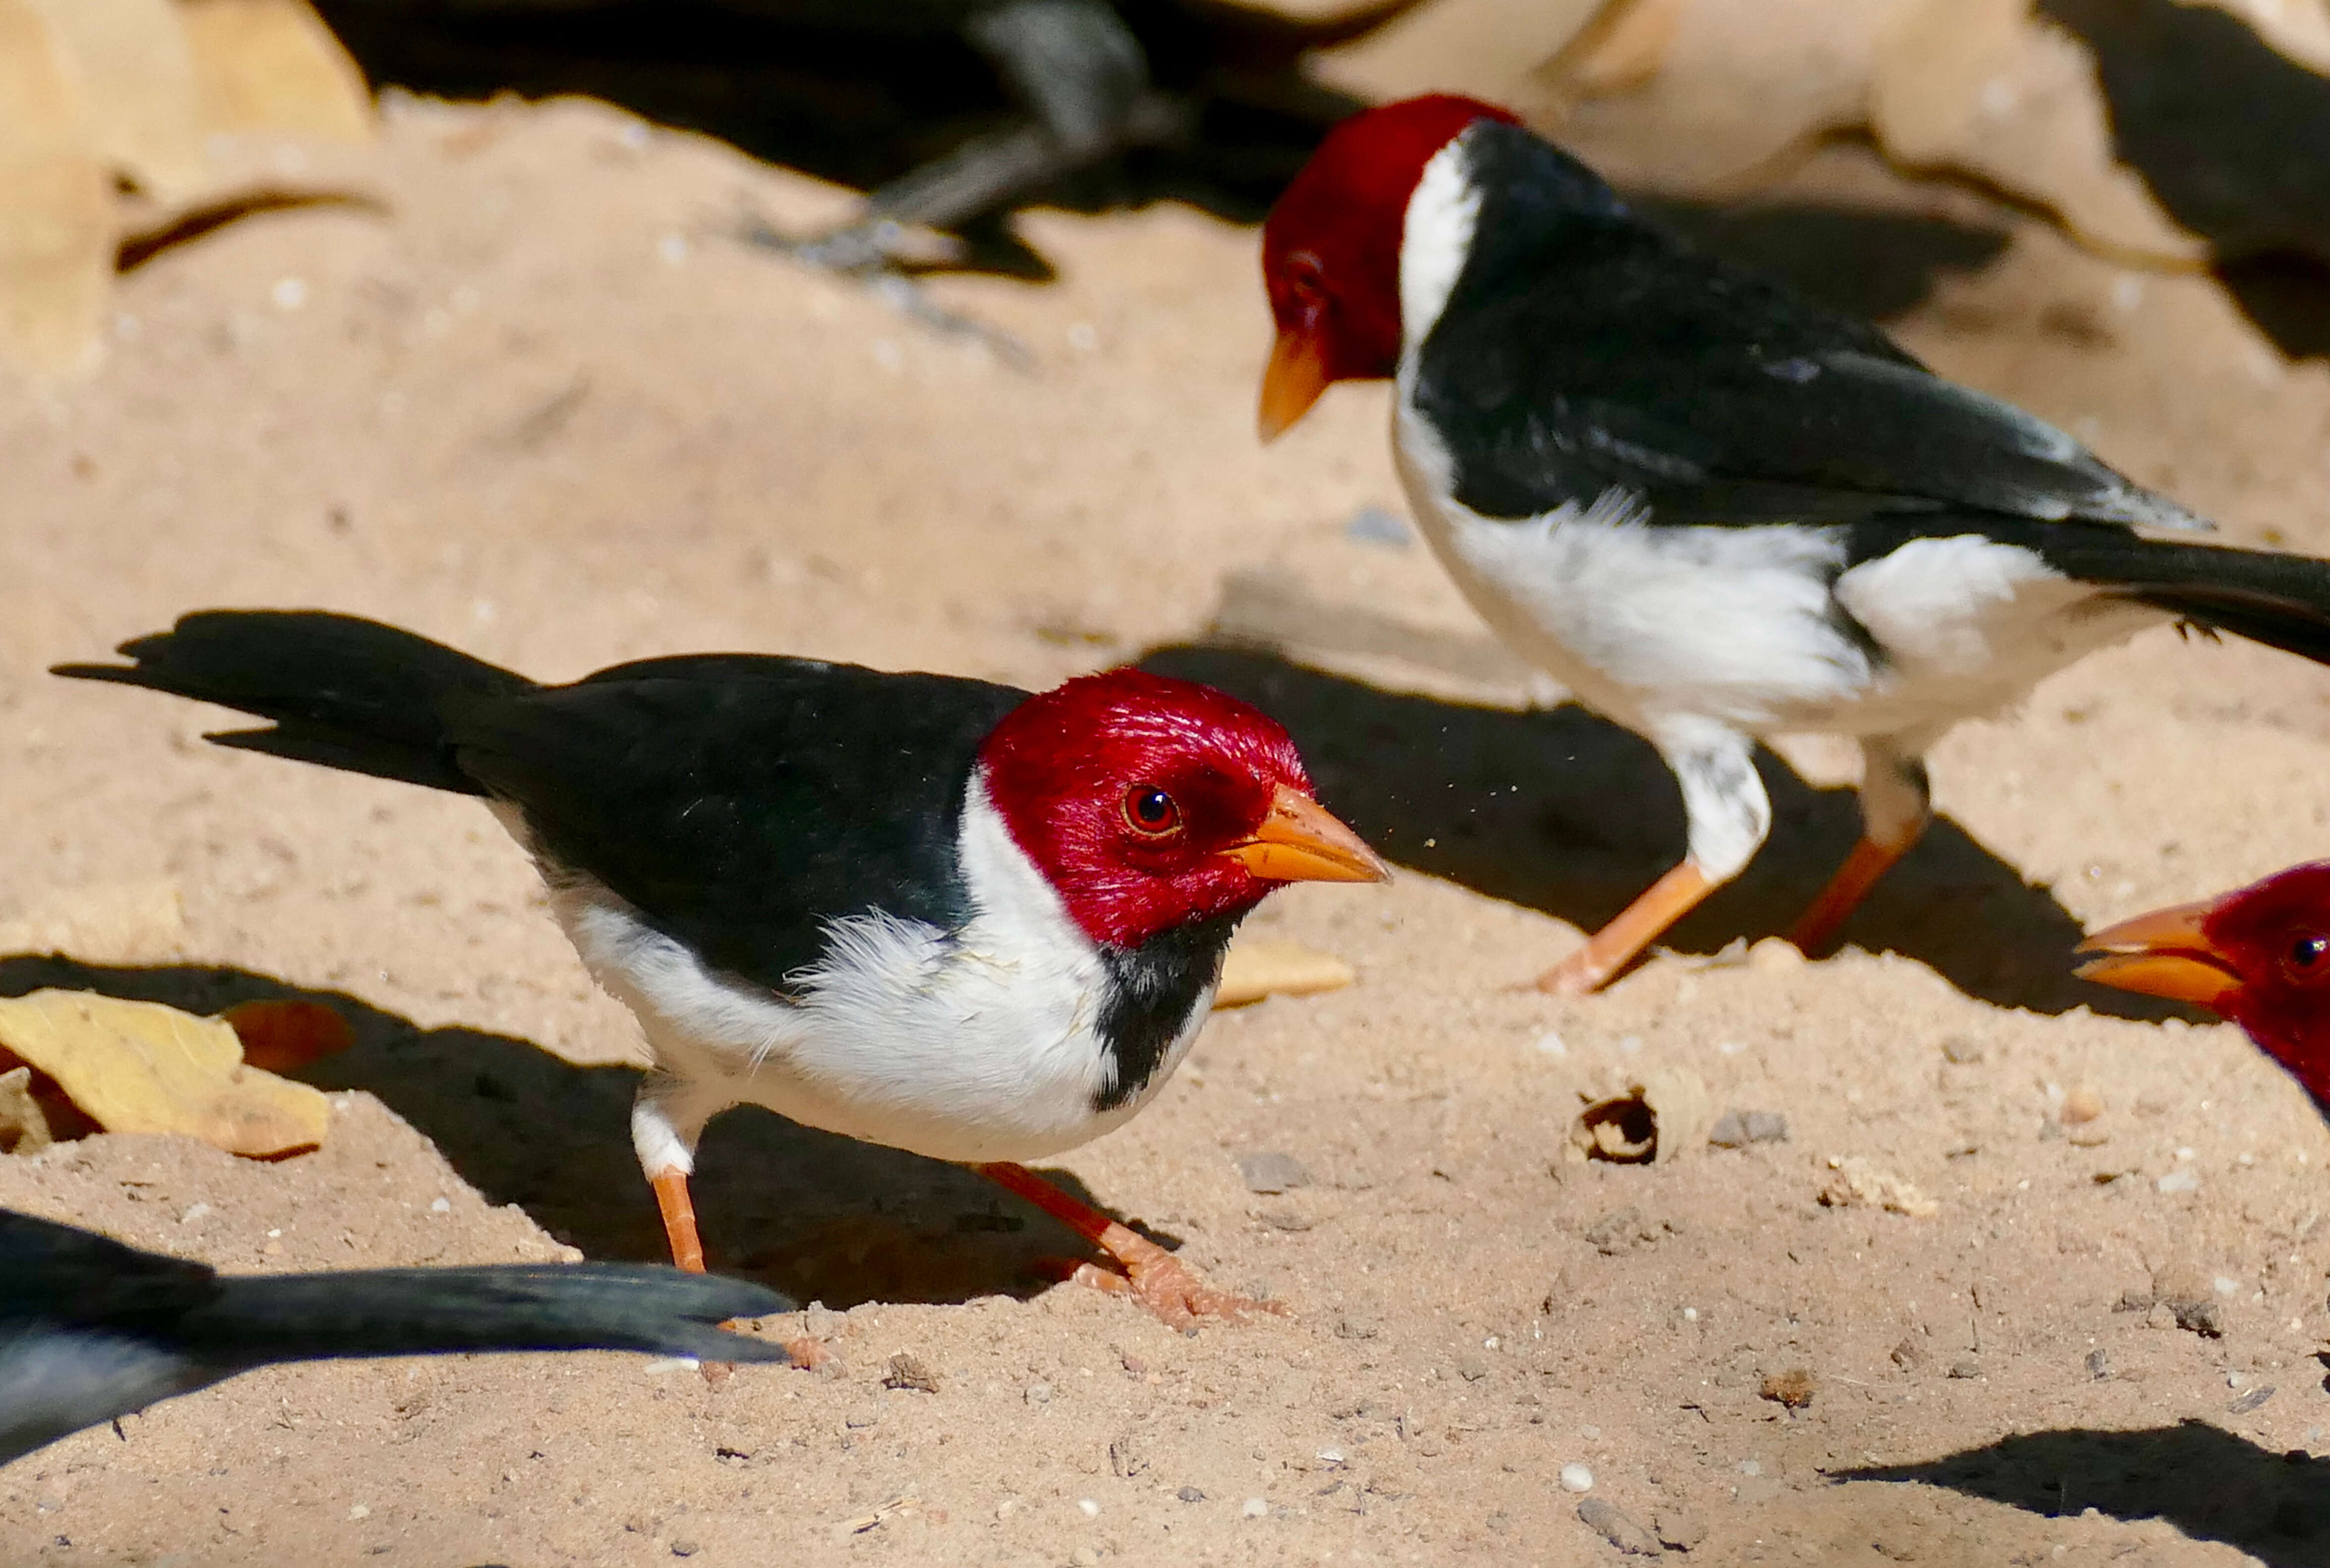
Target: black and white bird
point(1710, 507)
point(90, 1329)
point(924, 912)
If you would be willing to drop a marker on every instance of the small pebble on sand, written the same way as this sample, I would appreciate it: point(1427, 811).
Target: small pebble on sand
point(1037, 1394)
point(1253, 1508)
point(1088, 1507)
point(1577, 1478)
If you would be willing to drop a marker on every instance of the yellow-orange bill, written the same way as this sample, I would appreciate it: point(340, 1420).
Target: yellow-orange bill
point(1296, 376)
point(1303, 841)
point(2163, 953)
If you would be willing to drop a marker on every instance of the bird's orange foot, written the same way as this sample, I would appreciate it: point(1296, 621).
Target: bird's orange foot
point(1167, 1286)
point(1581, 974)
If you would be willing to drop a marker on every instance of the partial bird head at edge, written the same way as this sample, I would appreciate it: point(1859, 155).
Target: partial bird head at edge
point(2260, 956)
point(1150, 802)
point(1331, 249)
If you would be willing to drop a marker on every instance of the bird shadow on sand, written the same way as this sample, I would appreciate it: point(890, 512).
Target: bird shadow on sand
point(817, 1216)
point(2207, 1482)
point(1563, 812)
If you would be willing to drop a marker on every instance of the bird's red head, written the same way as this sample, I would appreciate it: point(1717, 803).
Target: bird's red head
point(1331, 249)
point(2260, 956)
point(1150, 802)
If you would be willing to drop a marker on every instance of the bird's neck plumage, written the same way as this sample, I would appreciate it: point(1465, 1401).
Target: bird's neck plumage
point(1492, 209)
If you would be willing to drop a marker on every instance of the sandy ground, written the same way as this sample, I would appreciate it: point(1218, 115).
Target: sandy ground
point(540, 406)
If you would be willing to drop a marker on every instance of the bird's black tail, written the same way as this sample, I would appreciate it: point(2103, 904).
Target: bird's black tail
point(2280, 600)
point(345, 692)
point(258, 1318)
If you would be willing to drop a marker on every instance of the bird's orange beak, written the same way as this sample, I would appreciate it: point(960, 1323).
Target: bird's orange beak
point(2163, 954)
point(1296, 376)
point(1303, 841)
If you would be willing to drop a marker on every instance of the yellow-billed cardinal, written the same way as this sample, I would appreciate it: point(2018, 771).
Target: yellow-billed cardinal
point(2258, 955)
point(90, 1329)
point(1712, 508)
point(929, 912)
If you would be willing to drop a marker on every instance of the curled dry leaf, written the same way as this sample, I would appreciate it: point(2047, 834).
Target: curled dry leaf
point(142, 1067)
point(1855, 1183)
point(1256, 969)
point(1661, 1118)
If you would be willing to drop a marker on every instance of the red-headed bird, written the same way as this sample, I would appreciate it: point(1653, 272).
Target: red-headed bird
point(2260, 956)
point(1710, 507)
point(929, 912)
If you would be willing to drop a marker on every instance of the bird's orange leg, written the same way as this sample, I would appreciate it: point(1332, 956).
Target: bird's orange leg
point(1636, 927)
point(1817, 926)
point(678, 1219)
point(688, 1253)
point(1152, 1276)
point(1897, 802)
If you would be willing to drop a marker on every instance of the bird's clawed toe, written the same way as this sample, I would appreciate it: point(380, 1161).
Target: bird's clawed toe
point(1171, 1289)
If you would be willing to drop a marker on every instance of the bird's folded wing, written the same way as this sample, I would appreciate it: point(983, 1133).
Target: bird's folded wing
point(739, 803)
point(1719, 399)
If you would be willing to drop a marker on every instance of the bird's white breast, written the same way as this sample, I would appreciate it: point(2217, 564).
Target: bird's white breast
point(979, 1045)
point(1753, 627)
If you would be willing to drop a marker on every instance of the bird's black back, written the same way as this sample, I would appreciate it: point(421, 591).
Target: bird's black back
point(740, 803)
point(1583, 349)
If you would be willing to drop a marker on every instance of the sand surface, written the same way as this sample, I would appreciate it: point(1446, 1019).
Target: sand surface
point(540, 405)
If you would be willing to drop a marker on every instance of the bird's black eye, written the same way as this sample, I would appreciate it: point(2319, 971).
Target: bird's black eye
point(1149, 809)
point(2306, 953)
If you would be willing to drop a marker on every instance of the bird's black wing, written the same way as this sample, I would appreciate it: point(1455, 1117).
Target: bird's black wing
point(1583, 350)
point(740, 803)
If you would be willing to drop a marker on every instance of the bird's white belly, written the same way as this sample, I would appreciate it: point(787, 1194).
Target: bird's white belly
point(907, 1038)
point(1649, 624)
point(980, 1046)
point(1644, 622)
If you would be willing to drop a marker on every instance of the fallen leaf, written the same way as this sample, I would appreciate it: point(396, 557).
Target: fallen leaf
point(1491, 49)
point(134, 75)
point(56, 214)
point(283, 1036)
point(143, 1067)
point(1256, 969)
point(1710, 97)
point(1981, 87)
point(272, 67)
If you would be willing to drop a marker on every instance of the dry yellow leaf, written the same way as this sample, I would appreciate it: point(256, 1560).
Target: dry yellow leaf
point(1256, 969)
point(143, 1067)
point(1711, 96)
point(129, 63)
point(56, 213)
point(273, 67)
point(1490, 49)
